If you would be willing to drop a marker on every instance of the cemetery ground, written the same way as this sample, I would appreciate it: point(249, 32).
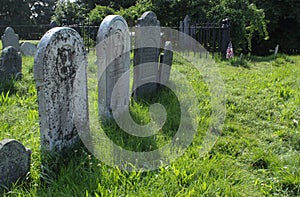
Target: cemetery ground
point(257, 153)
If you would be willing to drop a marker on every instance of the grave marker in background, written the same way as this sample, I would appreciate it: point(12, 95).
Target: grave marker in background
point(166, 64)
point(146, 54)
point(28, 49)
point(10, 38)
point(10, 63)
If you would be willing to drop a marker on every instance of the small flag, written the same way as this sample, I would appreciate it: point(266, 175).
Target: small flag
point(229, 51)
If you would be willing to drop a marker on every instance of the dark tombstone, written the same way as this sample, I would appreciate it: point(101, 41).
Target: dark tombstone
point(14, 162)
point(146, 55)
point(61, 81)
point(9, 38)
point(10, 64)
point(113, 58)
point(53, 24)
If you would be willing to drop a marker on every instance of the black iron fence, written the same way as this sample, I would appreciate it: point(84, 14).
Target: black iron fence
point(212, 36)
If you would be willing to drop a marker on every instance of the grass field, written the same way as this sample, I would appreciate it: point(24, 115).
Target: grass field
point(257, 153)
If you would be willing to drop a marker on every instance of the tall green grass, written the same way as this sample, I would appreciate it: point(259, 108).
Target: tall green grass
point(257, 153)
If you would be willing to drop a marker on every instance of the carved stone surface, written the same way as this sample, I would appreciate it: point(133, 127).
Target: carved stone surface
point(9, 38)
point(166, 64)
point(113, 58)
point(28, 49)
point(10, 63)
point(14, 162)
point(146, 54)
point(61, 81)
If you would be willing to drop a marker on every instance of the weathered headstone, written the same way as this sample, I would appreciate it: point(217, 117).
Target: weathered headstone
point(28, 49)
point(10, 63)
point(14, 162)
point(146, 55)
point(10, 38)
point(113, 57)
point(61, 79)
point(166, 64)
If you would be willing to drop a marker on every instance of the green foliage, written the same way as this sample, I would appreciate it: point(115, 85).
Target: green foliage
point(67, 12)
point(283, 27)
point(246, 20)
point(15, 12)
point(97, 14)
point(132, 13)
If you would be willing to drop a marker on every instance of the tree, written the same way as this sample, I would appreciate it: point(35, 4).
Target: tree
point(132, 13)
point(14, 12)
point(97, 14)
point(283, 26)
point(41, 11)
point(67, 12)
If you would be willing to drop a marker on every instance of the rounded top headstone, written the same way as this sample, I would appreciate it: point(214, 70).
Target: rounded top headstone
point(14, 162)
point(9, 30)
point(109, 23)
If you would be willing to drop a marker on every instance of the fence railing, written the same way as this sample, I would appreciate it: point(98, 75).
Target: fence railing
point(213, 37)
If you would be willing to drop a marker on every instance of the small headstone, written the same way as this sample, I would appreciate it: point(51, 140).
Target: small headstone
point(186, 24)
point(181, 26)
point(146, 55)
point(10, 63)
point(187, 31)
point(61, 81)
point(28, 49)
point(113, 57)
point(10, 38)
point(53, 24)
point(166, 64)
point(14, 162)
point(276, 49)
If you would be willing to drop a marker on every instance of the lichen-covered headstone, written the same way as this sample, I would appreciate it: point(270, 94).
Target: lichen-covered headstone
point(10, 64)
point(14, 162)
point(113, 58)
point(10, 38)
point(28, 49)
point(61, 81)
point(166, 63)
point(146, 54)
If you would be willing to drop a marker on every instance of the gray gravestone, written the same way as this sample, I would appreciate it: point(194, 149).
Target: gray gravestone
point(10, 63)
point(113, 57)
point(166, 64)
point(186, 30)
point(61, 81)
point(14, 162)
point(9, 38)
point(186, 24)
point(146, 55)
point(28, 49)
